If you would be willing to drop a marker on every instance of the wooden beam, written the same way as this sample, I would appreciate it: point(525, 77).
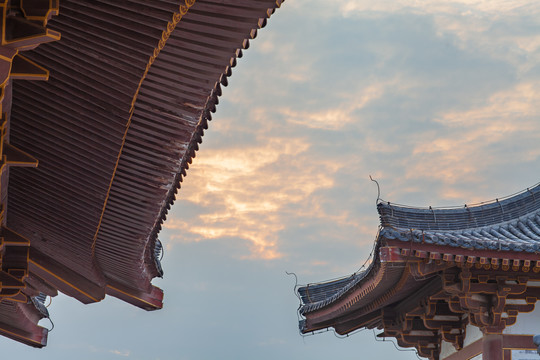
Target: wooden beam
point(491, 346)
point(23, 68)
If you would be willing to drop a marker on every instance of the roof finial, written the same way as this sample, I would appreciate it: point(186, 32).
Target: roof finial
point(378, 189)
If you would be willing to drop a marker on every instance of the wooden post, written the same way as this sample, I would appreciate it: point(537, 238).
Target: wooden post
point(492, 347)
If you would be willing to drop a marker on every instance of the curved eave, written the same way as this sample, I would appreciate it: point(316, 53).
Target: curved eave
point(357, 294)
point(131, 89)
point(357, 301)
point(362, 304)
point(18, 321)
point(341, 303)
point(399, 271)
point(172, 107)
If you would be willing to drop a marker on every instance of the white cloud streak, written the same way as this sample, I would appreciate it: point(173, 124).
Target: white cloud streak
point(123, 353)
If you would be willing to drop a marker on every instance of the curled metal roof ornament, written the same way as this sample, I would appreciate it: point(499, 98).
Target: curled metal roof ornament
point(378, 189)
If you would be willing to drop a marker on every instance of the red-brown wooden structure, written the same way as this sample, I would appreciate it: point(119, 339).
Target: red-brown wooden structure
point(449, 282)
point(131, 88)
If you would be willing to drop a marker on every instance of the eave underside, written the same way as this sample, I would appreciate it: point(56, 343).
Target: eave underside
point(131, 88)
point(435, 298)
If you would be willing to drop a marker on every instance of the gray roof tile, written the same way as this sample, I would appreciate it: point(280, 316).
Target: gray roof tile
point(511, 224)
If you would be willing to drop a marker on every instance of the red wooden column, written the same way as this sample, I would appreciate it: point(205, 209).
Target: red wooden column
point(492, 347)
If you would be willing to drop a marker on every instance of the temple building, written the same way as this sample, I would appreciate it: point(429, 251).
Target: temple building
point(454, 284)
point(93, 157)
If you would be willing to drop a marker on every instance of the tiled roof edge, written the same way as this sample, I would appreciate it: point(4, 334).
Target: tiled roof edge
point(466, 217)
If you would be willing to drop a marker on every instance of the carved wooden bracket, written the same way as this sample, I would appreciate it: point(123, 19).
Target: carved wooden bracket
point(483, 297)
point(490, 300)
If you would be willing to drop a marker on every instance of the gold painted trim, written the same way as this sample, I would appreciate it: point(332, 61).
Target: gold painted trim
point(64, 281)
point(23, 337)
point(44, 76)
point(54, 9)
point(133, 297)
point(9, 59)
point(49, 34)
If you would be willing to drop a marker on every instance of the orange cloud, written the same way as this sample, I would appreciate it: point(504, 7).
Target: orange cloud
point(247, 193)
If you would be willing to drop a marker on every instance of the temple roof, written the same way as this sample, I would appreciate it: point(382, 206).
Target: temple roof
point(131, 88)
point(413, 245)
point(511, 224)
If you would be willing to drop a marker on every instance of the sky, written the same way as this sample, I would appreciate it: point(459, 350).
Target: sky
point(436, 100)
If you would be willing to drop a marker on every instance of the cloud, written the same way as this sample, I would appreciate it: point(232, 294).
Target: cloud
point(459, 7)
point(501, 29)
point(124, 353)
point(247, 192)
point(341, 115)
point(366, 8)
point(88, 348)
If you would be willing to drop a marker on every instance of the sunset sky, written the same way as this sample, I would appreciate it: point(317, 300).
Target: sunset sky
point(439, 101)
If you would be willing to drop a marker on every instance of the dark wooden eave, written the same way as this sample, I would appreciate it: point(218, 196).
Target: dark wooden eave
point(132, 85)
point(131, 89)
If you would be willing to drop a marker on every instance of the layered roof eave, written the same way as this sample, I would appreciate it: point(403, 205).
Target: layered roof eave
point(395, 246)
point(190, 113)
point(115, 129)
point(132, 85)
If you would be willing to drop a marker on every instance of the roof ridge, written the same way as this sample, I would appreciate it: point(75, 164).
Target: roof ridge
point(499, 211)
